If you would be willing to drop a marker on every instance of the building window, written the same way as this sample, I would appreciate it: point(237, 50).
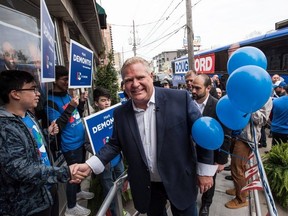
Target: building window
point(20, 42)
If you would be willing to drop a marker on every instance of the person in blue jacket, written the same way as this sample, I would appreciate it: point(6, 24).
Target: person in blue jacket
point(279, 126)
point(102, 100)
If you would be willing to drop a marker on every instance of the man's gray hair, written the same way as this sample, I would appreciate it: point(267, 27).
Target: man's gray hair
point(135, 60)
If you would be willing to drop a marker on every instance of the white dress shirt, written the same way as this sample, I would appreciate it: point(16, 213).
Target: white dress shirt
point(146, 121)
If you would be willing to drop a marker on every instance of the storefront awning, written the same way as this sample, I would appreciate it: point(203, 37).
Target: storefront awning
point(102, 16)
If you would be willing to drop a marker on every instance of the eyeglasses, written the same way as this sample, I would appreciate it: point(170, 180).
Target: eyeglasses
point(29, 89)
point(8, 55)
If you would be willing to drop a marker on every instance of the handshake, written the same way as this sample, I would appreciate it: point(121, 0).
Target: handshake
point(79, 172)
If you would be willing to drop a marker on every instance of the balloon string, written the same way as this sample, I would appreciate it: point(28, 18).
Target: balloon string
point(245, 115)
point(233, 155)
point(250, 144)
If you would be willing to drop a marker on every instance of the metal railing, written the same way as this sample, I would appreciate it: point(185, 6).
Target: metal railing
point(115, 192)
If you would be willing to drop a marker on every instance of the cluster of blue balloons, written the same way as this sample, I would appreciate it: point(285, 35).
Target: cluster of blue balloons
point(248, 88)
point(249, 85)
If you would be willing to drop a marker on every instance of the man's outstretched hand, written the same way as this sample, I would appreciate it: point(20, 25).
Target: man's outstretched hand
point(79, 172)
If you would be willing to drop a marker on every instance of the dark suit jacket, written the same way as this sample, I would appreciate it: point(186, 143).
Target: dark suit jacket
point(176, 155)
point(220, 157)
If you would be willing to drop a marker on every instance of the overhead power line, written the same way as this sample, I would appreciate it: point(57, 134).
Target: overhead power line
point(157, 40)
point(168, 36)
point(156, 26)
point(171, 33)
point(130, 26)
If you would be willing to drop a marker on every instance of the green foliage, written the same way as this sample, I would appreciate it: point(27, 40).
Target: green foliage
point(106, 77)
point(276, 168)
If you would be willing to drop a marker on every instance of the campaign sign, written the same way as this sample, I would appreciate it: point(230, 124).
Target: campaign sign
point(99, 127)
point(181, 66)
point(178, 79)
point(122, 97)
point(81, 64)
point(47, 45)
point(205, 64)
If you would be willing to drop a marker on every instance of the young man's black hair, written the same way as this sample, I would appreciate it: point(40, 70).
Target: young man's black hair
point(100, 91)
point(60, 71)
point(13, 80)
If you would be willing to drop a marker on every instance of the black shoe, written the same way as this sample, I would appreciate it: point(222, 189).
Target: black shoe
point(204, 210)
point(227, 168)
point(229, 178)
point(262, 146)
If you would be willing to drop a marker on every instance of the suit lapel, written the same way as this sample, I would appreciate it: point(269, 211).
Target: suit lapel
point(207, 109)
point(132, 123)
point(160, 105)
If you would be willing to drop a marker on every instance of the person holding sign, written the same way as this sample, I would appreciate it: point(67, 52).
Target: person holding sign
point(153, 130)
point(115, 168)
point(62, 108)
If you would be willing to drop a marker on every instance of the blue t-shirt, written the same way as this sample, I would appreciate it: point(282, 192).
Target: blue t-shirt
point(279, 123)
point(38, 136)
point(73, 135)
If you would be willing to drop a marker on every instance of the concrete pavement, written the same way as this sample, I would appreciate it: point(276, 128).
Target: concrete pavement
point(220, 198)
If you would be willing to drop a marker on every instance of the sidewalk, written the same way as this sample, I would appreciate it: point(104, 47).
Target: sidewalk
point(220, 197)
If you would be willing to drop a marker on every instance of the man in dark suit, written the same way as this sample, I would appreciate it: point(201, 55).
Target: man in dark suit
point(153, 130)
point(207, 105)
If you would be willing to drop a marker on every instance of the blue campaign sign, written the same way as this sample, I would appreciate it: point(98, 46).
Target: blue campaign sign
point(181, 66)
point(47, 45)
point(81, 64)
point(99, 127)
point(122, 97)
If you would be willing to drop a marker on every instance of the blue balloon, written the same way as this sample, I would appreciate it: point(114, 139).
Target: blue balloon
point(246, 56)
point(249, 88)
point(208, 133)
point(230, 116)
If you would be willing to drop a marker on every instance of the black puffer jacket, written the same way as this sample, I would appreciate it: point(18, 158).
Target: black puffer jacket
point(23, 178)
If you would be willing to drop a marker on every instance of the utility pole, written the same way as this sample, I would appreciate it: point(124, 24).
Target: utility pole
point(190, 35)
point(122, 60)
point(134, 39)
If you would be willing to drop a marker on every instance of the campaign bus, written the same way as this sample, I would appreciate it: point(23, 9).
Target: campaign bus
point(273, 44)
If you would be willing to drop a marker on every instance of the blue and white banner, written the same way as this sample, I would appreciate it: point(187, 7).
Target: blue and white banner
point(81, 65)
point(47, 45)
point(99, 127)
point(181, 66)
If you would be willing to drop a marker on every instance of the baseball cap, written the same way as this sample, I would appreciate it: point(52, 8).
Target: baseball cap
point(279, 84)
point(164, 82)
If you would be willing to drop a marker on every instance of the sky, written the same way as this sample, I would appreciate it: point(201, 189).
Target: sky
point(160, 24)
